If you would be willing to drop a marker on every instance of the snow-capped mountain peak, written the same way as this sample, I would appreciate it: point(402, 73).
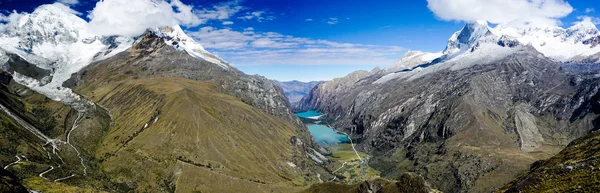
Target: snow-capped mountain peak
point(582, 31)
point(54, 39)
point(411, 59)
point(470, 35)
point(177, 38)
point(48, 23)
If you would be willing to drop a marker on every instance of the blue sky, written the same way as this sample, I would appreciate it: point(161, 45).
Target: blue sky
point(315, 39)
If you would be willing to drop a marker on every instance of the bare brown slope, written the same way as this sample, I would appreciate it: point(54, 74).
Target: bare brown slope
point(165, 128)
point(179, 123)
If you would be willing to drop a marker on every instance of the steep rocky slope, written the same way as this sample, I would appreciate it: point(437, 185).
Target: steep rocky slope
point(575, 169)
point(470, 120)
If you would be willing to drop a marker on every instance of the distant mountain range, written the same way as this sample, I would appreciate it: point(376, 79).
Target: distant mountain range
point(295, 90)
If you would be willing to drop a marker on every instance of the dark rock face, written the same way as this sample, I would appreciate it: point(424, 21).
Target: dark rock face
point(593, 42)
point(508, 42)
point(17, 64)
point(457, 128)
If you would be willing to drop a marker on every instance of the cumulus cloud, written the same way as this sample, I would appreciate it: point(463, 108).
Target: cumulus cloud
point(68, 2)
point(539, 12)
point(249, 47)
point(8, 18)
point(133, 17)
point(227, 23)
point(309, 19)
point(588, 19)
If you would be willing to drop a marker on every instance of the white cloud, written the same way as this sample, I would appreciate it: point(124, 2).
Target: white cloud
point(133, 17)
point(588, 19)
point(68, 2)
point(11, 17)
point(220, 11)
point(539, 12)
point(227, 23)
point(332, 21)
point(309, 19)
point(224, 39)
point(258, 15)
point(269, 48)
point(589, 10)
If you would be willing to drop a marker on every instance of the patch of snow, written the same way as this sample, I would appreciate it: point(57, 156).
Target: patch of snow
point(291, 164)
point(555, 42)
point(412, 59)
point(175, 37)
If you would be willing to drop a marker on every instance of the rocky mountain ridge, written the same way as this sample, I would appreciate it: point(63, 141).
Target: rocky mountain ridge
point(455, 117)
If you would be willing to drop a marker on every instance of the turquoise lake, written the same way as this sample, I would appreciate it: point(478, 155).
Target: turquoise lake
point(308, 114)
point(322, 133)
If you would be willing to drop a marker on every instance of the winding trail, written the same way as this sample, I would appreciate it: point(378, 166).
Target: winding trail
point(11, 164)
point(351, 143)
point(343, 164)
point(42, 174)
point(319, 177)
point(61, 179)
point(75, 124)
point(80, 114)
point(80, 159)
point(81, 109)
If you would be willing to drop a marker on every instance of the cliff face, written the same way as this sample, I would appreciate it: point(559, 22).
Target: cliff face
point(329, 91)
point(471, 128)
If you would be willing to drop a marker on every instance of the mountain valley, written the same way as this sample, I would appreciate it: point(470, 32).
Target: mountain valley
point(503, 108)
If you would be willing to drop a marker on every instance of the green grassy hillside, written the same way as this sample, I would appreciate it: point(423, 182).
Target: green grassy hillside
point(174, 133)
point(574, 169)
